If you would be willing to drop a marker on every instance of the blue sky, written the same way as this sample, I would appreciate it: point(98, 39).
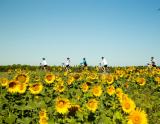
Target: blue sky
point(125, 32)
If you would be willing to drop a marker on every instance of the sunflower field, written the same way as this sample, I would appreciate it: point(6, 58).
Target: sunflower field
point(124, 95)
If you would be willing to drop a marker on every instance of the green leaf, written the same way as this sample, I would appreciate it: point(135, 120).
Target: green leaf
point(117, 115)
point(79, 115)
point(51, 121)
point(105, 120)
point(26, 120)
point(11, 118)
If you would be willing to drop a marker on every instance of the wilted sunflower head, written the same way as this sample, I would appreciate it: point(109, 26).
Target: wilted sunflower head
point(36, 88)
point(49, 78)
point(92, 105)
point(22, 78)
point(12, 86)
point(62, 105)
point(97, 90)
point(73, 109)
point(3, 82)
point(137, 116)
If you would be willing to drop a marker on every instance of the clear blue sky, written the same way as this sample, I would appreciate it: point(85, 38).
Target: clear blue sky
point(125, 32)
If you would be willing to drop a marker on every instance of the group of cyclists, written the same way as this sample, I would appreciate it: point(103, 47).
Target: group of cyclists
point(103, 64)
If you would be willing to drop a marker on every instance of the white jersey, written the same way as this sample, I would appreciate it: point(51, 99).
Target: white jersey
point(67, 62)
point(44, 62)
point(104, 62)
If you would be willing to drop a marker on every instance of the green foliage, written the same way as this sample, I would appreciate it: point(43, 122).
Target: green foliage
point(24, 108)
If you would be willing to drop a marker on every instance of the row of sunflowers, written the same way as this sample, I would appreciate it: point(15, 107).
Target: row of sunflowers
point(126, 95)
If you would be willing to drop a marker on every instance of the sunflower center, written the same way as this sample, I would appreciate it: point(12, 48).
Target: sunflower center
point(136, 120)
point(127, 105)
point(92, 104)
point(35, 87)
point(142, 81)
point(49, 77)
point(109, 78)
point(111, 89)
point(61, 103)
point(21, 87)
point(12, 84)
point(96, 90)
point(76, 76)
point(21, 78)
point(42, 113)
point(85, 87)
point(61, 87)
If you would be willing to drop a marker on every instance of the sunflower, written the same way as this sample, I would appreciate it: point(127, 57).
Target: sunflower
point(137, 117)
point(43, 120)
point(4, 82)
point(84, 87)
point(62, 105)
point(36, 78)
point(126, 85)
point(65, 73)
point(21, 88)
point(91, 77)
point(109, 78)
point(120, 72)
point(119, 93)
point(22, 78)
point(76, 76)
point(92, 105)
point(128, 105)
point(12, 86)
point(36, 88)
point(70, 80)
point(73, 109)
point(97, 90)
point(97, 68)
point(141, 81)
point(58, 78)
point(59, 87)
point(42, 113)
point(157, 79)
point(49, 78)
point(111, 90)
point(9, 71)
point(158, 71)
